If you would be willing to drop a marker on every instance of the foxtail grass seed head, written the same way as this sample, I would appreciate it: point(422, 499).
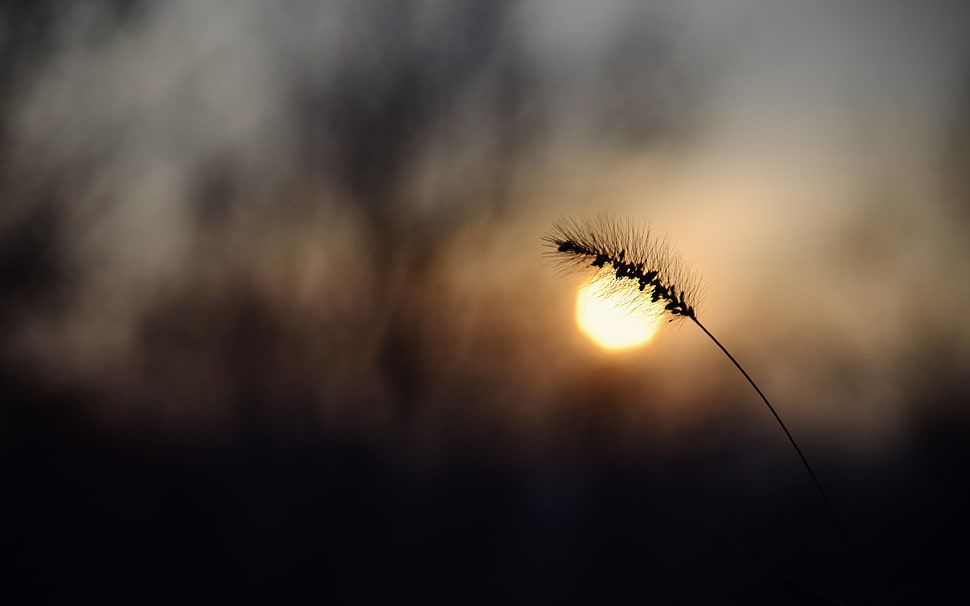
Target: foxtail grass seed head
point(645, 273)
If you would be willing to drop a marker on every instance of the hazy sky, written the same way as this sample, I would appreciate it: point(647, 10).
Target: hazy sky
point(333, 210)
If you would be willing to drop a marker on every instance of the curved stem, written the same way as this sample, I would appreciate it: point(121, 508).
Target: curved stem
point(818, 485)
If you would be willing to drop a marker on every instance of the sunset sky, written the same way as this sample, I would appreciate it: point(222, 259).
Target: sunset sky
point(309, 234)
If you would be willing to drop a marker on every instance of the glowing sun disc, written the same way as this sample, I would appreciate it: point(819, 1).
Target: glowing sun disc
point(606, 317)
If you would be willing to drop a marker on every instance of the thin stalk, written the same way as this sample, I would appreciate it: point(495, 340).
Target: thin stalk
point(818, 485)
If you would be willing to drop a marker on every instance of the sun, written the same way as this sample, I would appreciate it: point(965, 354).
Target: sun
point(615, 315)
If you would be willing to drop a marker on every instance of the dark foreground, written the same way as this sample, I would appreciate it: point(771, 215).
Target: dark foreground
point(320, 519)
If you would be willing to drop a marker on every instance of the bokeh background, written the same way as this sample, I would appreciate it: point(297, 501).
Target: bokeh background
point(276, 322)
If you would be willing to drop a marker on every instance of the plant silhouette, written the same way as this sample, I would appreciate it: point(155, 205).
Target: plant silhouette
point(605, 244)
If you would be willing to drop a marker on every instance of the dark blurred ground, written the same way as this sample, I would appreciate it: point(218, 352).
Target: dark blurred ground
point(257, 519)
